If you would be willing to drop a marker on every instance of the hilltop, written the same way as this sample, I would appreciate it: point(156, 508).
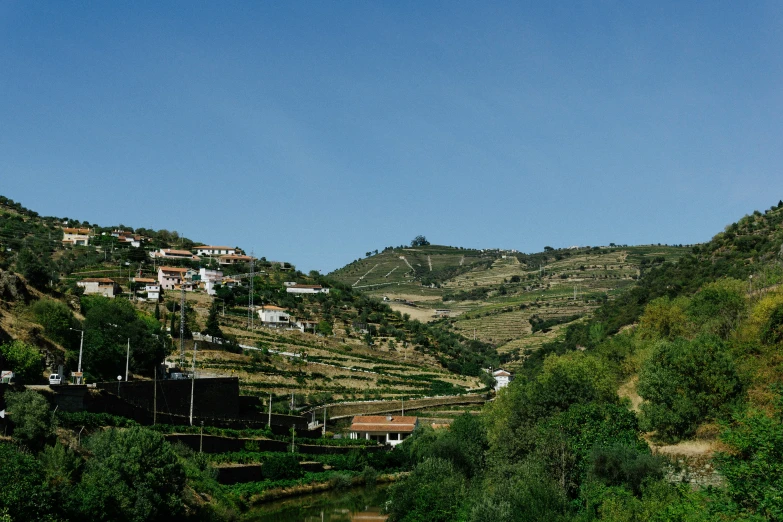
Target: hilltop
point(512, 300)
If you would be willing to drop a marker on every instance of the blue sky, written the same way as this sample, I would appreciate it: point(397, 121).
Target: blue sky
point(313, 132)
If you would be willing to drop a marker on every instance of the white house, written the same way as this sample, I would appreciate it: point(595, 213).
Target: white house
point(274, 316)
point(205, 250)
point(100, 286)
point(306, 289)
point(170, 277)
point(76, 236)
point(210, 278)
point(153, 292)
point(502, 378)
point(387, 429)
point(234, 259)
point(168, 253)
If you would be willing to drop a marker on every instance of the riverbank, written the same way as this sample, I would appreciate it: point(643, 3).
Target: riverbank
point(334, 483)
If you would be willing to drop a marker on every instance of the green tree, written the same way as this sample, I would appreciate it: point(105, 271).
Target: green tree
point(324, 328)
point(24, 360)
point(133, 475)
point(213, 325)
point(434, 491)
point(24, 494)
point(419, 241)
point(31, 416)
point(108, 325)
point(753, 465)
point(719, 306)
point(56, 319)
point(33, 268)
point(686, 382)
point(60, 465)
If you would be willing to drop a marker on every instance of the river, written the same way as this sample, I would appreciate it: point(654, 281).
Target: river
point(352, 505)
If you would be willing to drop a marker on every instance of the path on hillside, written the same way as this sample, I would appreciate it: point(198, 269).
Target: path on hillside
point(462, 261)
point(392, 270)
point(406, 262)
point(429, 260)
point(365, 275)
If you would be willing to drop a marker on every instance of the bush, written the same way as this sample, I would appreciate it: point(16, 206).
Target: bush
point(685, 383)
point(281, 466)
point(24, 359)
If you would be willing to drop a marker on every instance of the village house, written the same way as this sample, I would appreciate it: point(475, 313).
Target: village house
point(387, 429)
point(170, 277)
point(234, 259)
point(148, 286)
point(305, 289)
point(100, 286)
point(274, 316)
point(209, 278)
point(76, 236)
point(215, 251)
point(129, 238)
point(502, 378)
point(167, 253)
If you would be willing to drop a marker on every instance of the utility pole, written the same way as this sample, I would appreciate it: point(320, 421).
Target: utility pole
point(323, 430)
point(127, 360)
point(250, 312)
point(182, 323)
point(81, 347)
point(269, 422)
point(155, 396)
point(403, 408)
point(193, 382)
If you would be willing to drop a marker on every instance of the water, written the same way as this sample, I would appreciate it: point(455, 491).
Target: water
point(352, 505)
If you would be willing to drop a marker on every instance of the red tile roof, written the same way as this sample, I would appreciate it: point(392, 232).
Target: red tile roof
point(381, 423)
point(173, 269)
point(98, 280)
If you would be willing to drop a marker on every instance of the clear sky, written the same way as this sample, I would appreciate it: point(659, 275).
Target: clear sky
point(312, 132)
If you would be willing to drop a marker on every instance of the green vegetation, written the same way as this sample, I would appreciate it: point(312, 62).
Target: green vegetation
point(23, 359)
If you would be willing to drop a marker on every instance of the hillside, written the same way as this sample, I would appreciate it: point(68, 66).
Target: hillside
point(511, 300)
point(350, 346)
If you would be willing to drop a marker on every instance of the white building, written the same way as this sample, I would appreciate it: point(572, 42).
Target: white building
point(100, 286)
point(502, 378)
point(168, 253)
point(388, 429)
point(210, 278)
point(205, 250)
point(153, 292)
point(234, 259)
point(306, 289)
point(76, 236)
point(274, 316)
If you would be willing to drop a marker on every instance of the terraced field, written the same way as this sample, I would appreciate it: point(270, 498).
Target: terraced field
point(492, 296)
point(320, 370)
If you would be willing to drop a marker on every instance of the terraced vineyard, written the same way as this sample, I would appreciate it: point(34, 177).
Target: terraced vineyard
point(495, 296)
point(321, 370)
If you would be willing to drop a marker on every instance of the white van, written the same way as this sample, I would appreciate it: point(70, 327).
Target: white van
point(55, 379)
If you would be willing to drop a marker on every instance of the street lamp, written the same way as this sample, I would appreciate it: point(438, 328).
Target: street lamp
point(81, 347)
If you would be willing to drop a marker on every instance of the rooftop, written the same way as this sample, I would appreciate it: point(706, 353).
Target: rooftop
point(384, 423)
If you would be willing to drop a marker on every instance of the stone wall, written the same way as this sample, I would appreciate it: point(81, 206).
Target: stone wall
point(343, 410)
point(213, 398)
point(215, 444)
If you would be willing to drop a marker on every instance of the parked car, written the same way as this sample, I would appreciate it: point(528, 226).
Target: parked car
point(55, 378)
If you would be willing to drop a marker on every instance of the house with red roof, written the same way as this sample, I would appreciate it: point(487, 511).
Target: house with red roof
point(386, 429)
point(100, 286)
